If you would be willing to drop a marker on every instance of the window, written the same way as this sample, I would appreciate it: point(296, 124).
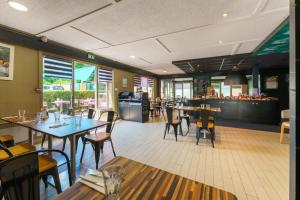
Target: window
point(187, 90)
point(57, 83)
point(143, 84)
point(105, 90)
point(236, 90)
point(178, 90)
point(225, 89)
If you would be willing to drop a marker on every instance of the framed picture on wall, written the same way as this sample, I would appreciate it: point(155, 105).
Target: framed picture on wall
point(272, 82)
point(124, 82)
point(6, 62)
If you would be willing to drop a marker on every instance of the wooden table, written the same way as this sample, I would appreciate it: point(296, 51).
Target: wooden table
point(70, 130)
point(145, 182)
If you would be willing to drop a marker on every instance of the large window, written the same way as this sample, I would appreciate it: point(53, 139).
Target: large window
point(57, 83)
point(143, 84)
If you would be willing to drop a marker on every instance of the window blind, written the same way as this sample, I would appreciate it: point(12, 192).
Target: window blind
point(104, 75)
point(57, 68)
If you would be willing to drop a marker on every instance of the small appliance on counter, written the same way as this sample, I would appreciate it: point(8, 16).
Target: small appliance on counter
point(134, 108)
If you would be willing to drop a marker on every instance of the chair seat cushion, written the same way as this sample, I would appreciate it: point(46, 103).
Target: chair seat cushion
point(100, 136)
point(17, 150)
point(6, 138)
point(46, 163)
point(210, 125)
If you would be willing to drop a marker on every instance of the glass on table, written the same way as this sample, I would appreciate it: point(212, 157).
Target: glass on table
point(38, 117)
point(78, 118)
point(113, 177)
point(21, 114)
point(207, 106)
point(57, 116)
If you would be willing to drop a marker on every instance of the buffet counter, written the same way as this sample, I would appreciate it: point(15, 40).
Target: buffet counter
point(263, 111)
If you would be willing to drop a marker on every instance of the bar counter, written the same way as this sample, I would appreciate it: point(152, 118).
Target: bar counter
point(254, 111)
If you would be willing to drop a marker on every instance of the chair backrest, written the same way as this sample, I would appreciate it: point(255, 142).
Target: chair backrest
point(204, 115)
point(91, 113)
point(169, 111)
point(112, 117)
point(285, 114)
point(19, 177)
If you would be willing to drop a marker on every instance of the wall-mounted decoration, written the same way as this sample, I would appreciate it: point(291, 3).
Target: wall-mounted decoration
point(124, 82)
point(272, 82)
point(6, 62)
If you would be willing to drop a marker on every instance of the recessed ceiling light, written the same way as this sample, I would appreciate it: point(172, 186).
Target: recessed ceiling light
point(220, 42)
point(165, 71)
point(17, 6)
point(132, 56)
point(225, 14)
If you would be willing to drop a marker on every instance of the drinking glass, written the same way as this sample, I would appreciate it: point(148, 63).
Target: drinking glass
point(57, 116)
point(112, 181)
point(38, 117)
point(207, 106)
point(21, 114)
point(77, 120)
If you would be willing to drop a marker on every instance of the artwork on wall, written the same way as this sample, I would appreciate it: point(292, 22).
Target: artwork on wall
point(124, 82)
point(6, 62)
point(272, 82)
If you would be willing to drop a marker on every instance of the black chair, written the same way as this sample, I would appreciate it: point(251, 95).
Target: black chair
point(97, 140)
point(19, 177)
point(47, 166)
point(205, 123)
point(172, 122)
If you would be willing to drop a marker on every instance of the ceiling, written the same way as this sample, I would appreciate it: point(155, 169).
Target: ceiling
point(240, 62)
point(154, 32)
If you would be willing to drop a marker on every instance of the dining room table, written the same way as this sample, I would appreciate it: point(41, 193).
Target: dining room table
point(141, 181)
point(64, 128)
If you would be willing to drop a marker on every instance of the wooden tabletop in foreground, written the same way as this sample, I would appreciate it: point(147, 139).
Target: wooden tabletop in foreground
point(145, 182)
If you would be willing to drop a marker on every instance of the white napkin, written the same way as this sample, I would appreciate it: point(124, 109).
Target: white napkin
point(94, 182)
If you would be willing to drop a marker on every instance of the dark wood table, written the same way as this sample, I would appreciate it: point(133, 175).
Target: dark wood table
point(70, 130)
point(145, 182)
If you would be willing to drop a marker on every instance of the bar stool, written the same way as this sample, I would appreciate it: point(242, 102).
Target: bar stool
point(285, 124)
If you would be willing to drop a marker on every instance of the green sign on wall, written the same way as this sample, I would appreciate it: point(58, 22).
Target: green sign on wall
point(90, 56)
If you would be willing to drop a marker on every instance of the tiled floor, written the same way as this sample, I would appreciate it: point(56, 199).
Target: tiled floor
point(249, 163)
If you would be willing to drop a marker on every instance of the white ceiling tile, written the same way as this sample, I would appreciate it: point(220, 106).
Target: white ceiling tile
point(45, 14)
point(249, 46)
point(74, 38)
point(275, 4)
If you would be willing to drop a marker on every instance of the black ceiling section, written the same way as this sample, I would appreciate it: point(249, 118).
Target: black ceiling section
point(241, 62)
point(20, 38)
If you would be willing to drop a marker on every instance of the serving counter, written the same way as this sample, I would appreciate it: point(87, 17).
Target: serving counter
point(254, 111)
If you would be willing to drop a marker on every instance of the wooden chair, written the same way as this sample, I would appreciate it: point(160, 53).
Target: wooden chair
point(97, 140)
point(285, 124)
point(172, 122)
point(47, 166)
point(7, 140)
point(206, 124)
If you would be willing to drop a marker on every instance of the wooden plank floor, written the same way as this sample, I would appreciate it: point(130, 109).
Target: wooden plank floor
point(248, 163)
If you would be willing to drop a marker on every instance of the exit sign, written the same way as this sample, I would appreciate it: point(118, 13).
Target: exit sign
point(91, 56)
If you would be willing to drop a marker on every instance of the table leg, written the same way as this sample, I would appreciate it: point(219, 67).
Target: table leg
point(73, 157)
point(50, 145)
point(30, 140)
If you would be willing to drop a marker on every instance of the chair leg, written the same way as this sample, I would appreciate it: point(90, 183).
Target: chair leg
point(166, 128)
point(83, 149)
point(112, 146)
point(198, 135)
point(45, 180)
point(281, 133)
point(175, 127)
point(97, 154)
point(180, 129)
point(43, 139)
point(56, 180)
point(212, 132)
point(188, 123)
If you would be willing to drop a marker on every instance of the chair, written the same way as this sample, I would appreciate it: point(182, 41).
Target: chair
point(285, 124)
point(19, 177)
point(172, 122)
point(47, 166)
point(7, 140)
point(205, 124)
point(97, 140)
point(91, 115)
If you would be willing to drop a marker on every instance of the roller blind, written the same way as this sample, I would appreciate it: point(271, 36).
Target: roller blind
point(57, 68)
point(104, 75)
